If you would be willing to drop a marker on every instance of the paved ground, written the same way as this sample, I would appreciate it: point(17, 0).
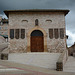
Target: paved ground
point(70, 64)
point(7, 70)
point(11, 68)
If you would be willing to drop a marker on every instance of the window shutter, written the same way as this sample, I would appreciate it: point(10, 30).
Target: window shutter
point(12, 33)
point(56, 34)
point(62, 33)
point(22, 33)
point(17, 33)
point(51, 33)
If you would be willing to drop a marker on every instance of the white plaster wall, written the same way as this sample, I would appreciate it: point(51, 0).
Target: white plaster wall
point(45, 60)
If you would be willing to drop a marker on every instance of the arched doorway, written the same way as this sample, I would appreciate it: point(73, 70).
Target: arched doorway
point(37, 41)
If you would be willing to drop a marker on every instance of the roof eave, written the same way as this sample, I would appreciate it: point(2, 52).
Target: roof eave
point(36, 10)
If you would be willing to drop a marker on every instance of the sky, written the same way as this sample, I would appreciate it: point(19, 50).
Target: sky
point(45, 4)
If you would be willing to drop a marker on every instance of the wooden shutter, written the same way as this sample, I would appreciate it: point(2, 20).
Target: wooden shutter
point(56, 34)
point(12, 33)
point(17, 33)
point(22, 33)
point(62, 33)
point(51, 33)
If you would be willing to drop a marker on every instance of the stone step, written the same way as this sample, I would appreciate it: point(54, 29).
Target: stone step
point(45, 60)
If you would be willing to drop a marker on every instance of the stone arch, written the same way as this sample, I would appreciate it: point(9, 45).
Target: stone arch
point(37, 28)
point(28, 38)
point(36, 33)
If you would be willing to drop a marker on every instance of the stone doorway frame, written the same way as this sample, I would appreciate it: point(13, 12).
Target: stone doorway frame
point(29, 35)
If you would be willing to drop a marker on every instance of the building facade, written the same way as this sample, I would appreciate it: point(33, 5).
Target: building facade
point(71, 50)
point(36, 30)
point(4, 27)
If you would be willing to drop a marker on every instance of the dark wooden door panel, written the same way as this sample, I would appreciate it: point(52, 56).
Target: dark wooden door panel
point(37, 44)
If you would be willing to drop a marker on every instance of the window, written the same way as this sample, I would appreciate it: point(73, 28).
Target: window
point(62, 33)
point(11, 33)
point(36, 22)
point(17, 33)
point(51, 33)
point(56, 34)
point(5, 22)
point(22, 33)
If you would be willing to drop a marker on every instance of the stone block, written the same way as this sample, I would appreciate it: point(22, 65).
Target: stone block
point(59, 66)
point(4, 56)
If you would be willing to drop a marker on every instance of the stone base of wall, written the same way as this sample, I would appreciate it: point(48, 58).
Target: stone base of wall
point(20, 50)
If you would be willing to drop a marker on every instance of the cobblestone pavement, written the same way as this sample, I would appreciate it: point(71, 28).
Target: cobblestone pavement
point(11, 68)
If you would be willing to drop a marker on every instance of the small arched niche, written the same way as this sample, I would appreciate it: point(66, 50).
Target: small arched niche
point(48, 20)
point(24, 20)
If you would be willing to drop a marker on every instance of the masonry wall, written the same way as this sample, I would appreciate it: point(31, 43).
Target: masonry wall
point(26, 20)
point(4, 29)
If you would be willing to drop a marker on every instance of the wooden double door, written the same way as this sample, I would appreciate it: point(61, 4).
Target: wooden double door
point(37, 43)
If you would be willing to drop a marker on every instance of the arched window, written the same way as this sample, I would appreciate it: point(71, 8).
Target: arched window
point(36, 33)
point(36, 22)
